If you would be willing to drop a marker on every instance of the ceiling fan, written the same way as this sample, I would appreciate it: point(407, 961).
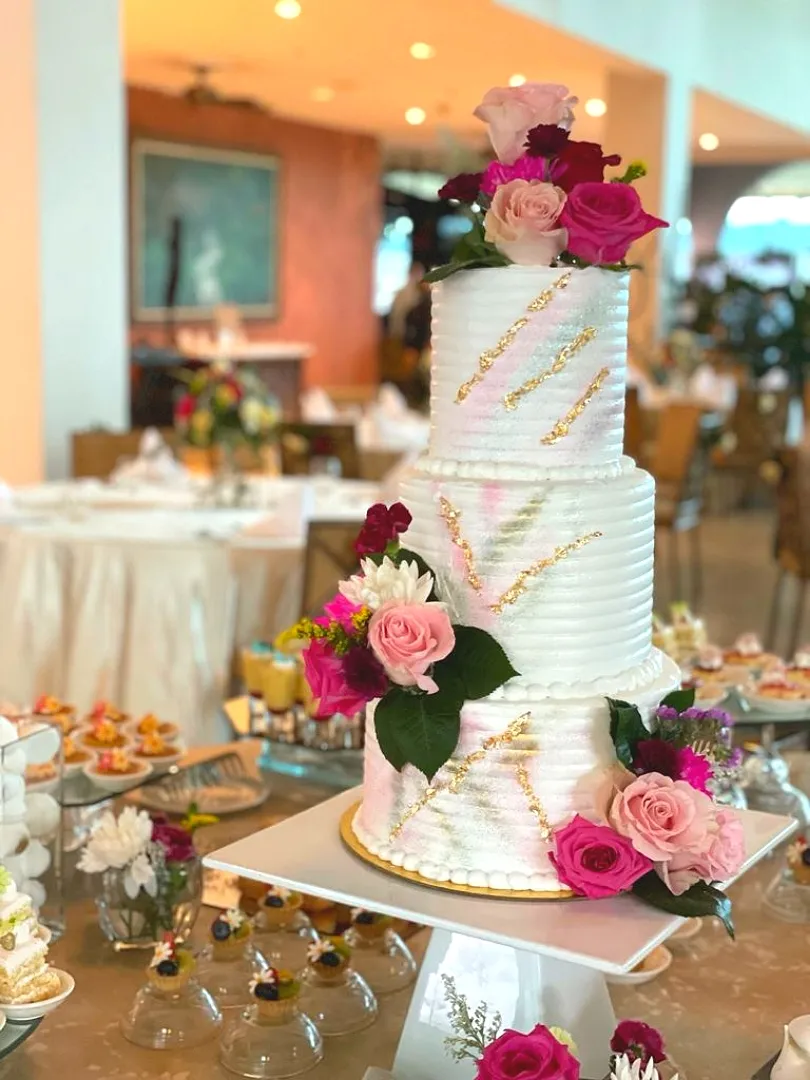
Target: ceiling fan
point(201, 89)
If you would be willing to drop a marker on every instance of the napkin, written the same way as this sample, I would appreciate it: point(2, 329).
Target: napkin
point(317, 407)
point(155, 464)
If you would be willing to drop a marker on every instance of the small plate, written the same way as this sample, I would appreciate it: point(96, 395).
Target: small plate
point(691, 928)
point(797, 709)
point(218, 786)
point(650, 968)
point(164, 761)
point(21, 1014)
point(117, 784)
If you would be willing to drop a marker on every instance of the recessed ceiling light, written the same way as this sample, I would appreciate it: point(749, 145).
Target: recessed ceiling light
point(322, 93)
point(420, 50)
point(415, 116)
point(287, 9)
point(708, 141)
point(517, 80)
point(595, 107)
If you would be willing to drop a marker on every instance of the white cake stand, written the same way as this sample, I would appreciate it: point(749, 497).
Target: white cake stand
point(533, 961)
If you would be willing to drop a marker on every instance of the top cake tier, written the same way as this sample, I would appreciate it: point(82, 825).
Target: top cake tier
point(529, 369)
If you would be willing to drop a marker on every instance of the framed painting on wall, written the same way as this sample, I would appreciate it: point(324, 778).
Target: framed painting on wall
point(204, 231)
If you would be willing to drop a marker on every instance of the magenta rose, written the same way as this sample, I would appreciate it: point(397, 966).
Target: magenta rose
point(536, 1056)
point(662, 817)
point(512, 111)
point(383, 525)
point(595, 861)
point(523, 222)
point(580, 163)
point(176, 842)
point(638, 1041)
point(719, 859)
point(324, 672)
point(603, 220)
point(408, 639)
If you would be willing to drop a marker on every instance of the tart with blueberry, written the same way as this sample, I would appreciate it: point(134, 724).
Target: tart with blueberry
point(275, 993)
point(230, 932)
point(171, 966)
point(328, 958)
point(278, 908)
point(369, 925)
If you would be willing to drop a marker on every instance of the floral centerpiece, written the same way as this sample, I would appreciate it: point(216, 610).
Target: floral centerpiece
point(387, 635)
point(545, 200)
point(149, 875)
point(226, 407)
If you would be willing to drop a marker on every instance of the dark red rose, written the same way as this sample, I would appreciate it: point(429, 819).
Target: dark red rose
point(546, 140)
point(364, 673)
point(656, 755)
point(603, 220)
point(639, 1041)
point(463, 188)
point(580, 163)
point(176, 842)
point(383, 525)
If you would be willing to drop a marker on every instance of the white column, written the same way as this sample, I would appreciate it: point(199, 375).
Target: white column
point(649, 119)
point(63, 302)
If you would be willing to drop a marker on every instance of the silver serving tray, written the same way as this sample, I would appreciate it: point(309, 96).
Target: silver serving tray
point(218, 786)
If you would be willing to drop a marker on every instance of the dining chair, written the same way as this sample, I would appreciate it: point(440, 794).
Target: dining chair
point(792, 542)
point(329, 558)
point(753, 436)
point(302, 443)
point(679, 467)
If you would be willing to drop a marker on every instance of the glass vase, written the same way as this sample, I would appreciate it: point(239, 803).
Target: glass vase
point(141, 921)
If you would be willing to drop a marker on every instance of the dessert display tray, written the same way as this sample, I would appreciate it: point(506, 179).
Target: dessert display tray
point(220, 785)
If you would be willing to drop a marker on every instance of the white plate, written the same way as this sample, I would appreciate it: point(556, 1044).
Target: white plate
point(117, 783)
point(20, 1014)
point(691, 928)
point(654, 965)
point(165, 761)
point(776, 706)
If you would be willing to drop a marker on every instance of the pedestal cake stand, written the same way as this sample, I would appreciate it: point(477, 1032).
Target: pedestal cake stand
point(533, 961)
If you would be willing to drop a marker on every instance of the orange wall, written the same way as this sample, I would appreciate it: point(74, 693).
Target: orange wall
point(330, 217)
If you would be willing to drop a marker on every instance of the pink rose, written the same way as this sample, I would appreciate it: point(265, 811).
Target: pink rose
point(719, 859)
point(663, 817)
point(604, 219)
point(523, 222)
point(535, 1056)
point(512, 111)
point(324, 673)
point(595, 861)
point(408, 638)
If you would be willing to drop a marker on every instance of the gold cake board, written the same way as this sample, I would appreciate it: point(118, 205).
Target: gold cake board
point(351, 841)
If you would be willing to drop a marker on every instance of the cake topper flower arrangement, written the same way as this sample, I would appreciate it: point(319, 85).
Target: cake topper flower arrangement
point(545, 200)
point(387, 635)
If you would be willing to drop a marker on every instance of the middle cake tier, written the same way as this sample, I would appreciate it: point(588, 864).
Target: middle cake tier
point(560, 572)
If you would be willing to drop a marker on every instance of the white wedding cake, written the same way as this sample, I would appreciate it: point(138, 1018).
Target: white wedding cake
point(541, 532)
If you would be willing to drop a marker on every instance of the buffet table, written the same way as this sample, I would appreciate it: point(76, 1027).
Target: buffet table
point(720, 1006)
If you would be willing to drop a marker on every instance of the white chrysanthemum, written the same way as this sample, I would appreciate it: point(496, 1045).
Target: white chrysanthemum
point(116, 843)
point(140, 874)
point(319, 948)
point(624, 1070)
point(279, 891)
point(163, 951)
point(267, 977)
point(379, 584)
point(234, 918)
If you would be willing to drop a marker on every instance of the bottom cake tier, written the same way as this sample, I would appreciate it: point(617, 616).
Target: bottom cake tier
point(520, 770)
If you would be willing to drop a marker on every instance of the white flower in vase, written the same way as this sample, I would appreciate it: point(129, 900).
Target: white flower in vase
point(624, 1069)
point(379, 584)
point(140, 874)
point(113, 844)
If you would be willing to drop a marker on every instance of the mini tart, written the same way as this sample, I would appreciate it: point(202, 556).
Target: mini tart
point(369, 926)
point(782, 691)
point(232, 947)
point(758, 660)
point(41, 774)
point(274, 916)
point(73, 754)
point(153, 748)
point(283, 1006)
point(332, 972)
point(800, 676)
point(89, 739)
point(124, 766)
point(172, 983)
point(105, 711)
point(151, 725)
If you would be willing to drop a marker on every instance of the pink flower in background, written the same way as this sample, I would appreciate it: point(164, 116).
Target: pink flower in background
point(323, 670)
point(340, 609)
point(525, 168)
point(604, 219)
point(721, 858)
point(512, 111)
point(595, 861)
point(176, 842)
point(523, 222)
point(663, 817)
point(638, 1041)
point(537, 1055)
point(408, 639)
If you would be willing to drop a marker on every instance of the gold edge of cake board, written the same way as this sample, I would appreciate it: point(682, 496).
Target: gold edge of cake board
point(354, 845)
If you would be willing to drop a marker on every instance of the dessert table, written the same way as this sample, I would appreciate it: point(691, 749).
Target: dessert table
point(721, 1005)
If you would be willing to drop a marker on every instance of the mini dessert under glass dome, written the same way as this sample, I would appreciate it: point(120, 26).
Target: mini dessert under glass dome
point(378, 952)
point(230, 960)
point(338, 999)
point(283, 930)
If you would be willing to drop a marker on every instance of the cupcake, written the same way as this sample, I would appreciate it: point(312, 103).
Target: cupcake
point(278, 908)
point(171, 966)
point(369, 925)
point(798, 859)
point(254, 660)
point(230, 932)
point(151, 725)
point(103, 734)
point(103, 710)
point(329, 958)
point(56, 711)
point(275, 993)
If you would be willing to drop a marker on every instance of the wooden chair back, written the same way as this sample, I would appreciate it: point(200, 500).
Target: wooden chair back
point(300, 443)
point(633, 425)
point(96, 453)
point(793, 512)
point(756, 429)
point(329, 558)
point(677, 446)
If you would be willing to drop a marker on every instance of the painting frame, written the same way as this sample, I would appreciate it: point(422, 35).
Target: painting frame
point(142, 149)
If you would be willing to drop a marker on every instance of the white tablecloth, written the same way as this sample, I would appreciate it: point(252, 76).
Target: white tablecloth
point(145, 606)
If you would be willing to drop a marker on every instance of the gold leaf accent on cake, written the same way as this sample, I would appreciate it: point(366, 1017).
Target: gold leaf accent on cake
point(452, 518)
point(515, 528)
point(562, 427)
point(535, 805)
point(566, 353)
point(518, 587)
point(489, 356)
point(493, 742)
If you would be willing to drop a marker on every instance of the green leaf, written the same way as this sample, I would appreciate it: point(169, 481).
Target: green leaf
point(441, 273)
point(701, 900)
point(626, 729)
point(680, 700)
point(478, 661)
point(386, 719)
point(422, 729)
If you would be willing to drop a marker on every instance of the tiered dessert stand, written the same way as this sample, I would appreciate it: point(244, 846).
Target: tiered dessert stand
point(533, 961)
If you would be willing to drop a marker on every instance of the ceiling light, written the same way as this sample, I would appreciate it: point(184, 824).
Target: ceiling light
point(708, 141)
point(420, 50)
point(595, 107)
point(287, 9)
point(517, 80)
point(415, 116)
point(322, 93)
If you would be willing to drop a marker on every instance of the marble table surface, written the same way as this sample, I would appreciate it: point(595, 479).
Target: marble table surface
point(721, 1005)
